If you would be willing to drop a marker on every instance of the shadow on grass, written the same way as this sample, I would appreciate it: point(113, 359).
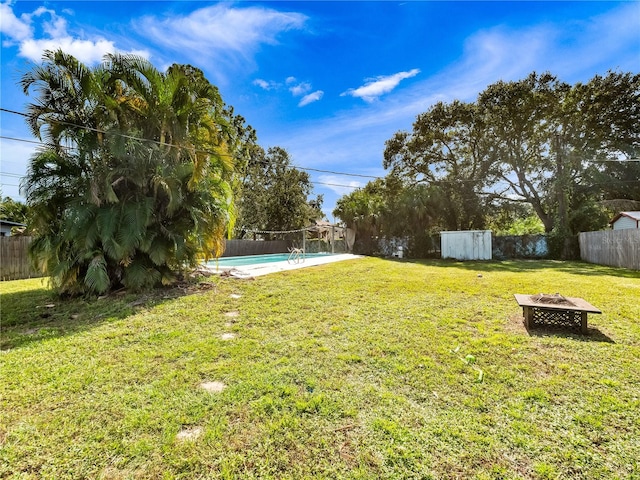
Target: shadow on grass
point(593, 334)
point(574, 267)
point(39, 314)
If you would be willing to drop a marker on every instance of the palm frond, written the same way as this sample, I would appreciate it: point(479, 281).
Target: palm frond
point(139, 275)
point(96, 279)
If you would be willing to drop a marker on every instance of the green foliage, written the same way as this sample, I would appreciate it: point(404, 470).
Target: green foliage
point(387, 208)
point(364, 210)
point(273, 195)
point(530, 225)
point(97, 278)
point(145, 189)
point(559, 149)
point(14, 211)
point(444, 151)
point(587, 215)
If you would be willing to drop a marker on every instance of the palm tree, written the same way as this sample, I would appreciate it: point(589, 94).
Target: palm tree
point(133, 183)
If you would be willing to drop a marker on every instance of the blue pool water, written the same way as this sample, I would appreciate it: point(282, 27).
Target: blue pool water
point(257, 259)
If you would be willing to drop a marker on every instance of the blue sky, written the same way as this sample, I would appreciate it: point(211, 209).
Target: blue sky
point(328, 81)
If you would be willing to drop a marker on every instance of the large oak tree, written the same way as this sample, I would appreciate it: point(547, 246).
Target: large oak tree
point(560, 148)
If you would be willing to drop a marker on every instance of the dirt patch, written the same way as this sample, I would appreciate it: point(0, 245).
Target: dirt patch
point(228, 336)
point(515, 324)
point(189, 433)
point(213, 387)
point(232, 314)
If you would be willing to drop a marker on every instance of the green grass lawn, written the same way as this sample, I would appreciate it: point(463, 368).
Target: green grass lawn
point(365, 369)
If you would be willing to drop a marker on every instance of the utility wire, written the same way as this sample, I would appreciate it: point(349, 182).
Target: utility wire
point(23, 140)
point(16, 175)
point(97, 130)
point(435, 181)
point(301, 168)
point(339, 173)
point(130, 137)
point(13, 111)
point(335, 185)
point(41, 143)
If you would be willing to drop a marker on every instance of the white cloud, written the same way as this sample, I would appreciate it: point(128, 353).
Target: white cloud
point(312, 97)
point(88, 51)
point(378, 86)
point(300, 89)
point(56, 26)
point(353, 140)
point(264, 84)
point(340, 185)
point(220, 33)
point(573, 50)
point(591, 43)
point(17, 29)
point(296, 88)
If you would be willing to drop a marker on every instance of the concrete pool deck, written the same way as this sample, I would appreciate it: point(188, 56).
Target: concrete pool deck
point(259, 269)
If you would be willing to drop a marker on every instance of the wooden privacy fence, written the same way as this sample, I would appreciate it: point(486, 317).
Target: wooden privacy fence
point(14, 259)
point(616, 248)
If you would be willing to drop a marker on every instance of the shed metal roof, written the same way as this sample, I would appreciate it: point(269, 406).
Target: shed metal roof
point(635, 215)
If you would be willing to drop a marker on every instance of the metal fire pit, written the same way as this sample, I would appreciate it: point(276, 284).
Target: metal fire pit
point(555, 311)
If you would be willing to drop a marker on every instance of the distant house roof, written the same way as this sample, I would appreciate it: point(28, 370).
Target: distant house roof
point(633, 215)
point(11, 224)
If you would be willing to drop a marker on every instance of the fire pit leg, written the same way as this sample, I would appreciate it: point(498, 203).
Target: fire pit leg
point(583, 323)
point(527, 313)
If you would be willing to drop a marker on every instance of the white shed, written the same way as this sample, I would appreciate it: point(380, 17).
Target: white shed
point(466, 245)
point(625, 221)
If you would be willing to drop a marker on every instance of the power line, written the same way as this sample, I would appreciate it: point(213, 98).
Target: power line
point(317, 183)
point(97, 130)
point(339, 173)
point(335, 185)
point(23, 140)
point(13, 111)
point(130, 137)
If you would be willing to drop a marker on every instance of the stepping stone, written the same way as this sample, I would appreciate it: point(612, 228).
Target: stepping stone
point(228, 336)
point(235, 296)
point(213, 387)
point(232, 314)
point(189, 433)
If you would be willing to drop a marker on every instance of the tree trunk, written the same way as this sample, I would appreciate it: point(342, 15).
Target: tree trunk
point(561, 191)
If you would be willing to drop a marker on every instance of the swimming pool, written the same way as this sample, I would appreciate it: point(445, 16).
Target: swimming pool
point(259, 259)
